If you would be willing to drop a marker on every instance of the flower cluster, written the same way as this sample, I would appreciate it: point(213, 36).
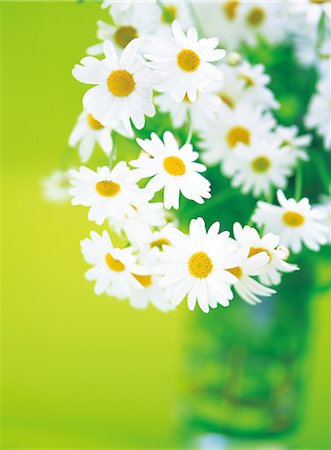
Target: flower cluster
point(185, 102)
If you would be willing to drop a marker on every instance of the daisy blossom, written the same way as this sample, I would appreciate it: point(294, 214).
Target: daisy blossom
point(230, 89)
point(116, 9)
point(129, 9)
point(174, 10)
point(151, 292)
point(157, 240)
point(255, 90)
point(196, 266)
point(243, 125)
point(138, 226)
point(108, 193)
point(173, 169)
point(256, 170)
point(244, 83)
point(268, 243)
point(246, 286)
point(134, 24)
point(88, 132)
point(263, 18)
point(112, 267)
point(124, 86)
point(183, 61)
point(288, 137)
point(319, 111)
point(311, 10)
point(222, 21)
point(56, 187)
point(205, 108)
point(294, 222)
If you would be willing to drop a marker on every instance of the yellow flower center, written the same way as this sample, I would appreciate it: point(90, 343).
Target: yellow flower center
point(227, 100)
point(293, 219)
point(236, 271)
point(256, 16)
point(107, 188)
point(144, 280)
point(200, 265)
point(249, 82)
point(124, 35)
point(159, 243)
point(94, 123)
point(255, 250)
point(121, 83)
point(169, 14)
point(319, 2)
point(186, 99)
point(174, 166)
point(114, 264)
point(261, 164)
point(230, 9)
point(238, 135)
point(188, 60)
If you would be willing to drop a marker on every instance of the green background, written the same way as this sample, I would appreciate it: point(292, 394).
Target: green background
point(80, 371)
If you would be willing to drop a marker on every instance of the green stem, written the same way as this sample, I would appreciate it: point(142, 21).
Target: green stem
point(112, 155)
point(322, 170)
point(216, 200)
point(321, 33)
point(298, 183)
point(270, 195)
point(165, 12)
point(196, 20)
point(190, 128)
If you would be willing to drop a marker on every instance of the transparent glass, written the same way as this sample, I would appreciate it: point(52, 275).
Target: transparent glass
point(243, 367)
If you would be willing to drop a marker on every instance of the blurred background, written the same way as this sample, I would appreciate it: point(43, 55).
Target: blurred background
point(81, 371)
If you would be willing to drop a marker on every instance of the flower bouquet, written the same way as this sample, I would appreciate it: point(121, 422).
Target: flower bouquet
point(211, 189)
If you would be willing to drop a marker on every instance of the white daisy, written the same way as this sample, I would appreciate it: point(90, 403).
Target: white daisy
point(230, 89)
point(174, 10)
point(88, 132)
point(138, 227)
point(135, 23)
point(243, 125)
point(244, 83)
point(157, 16)
point(312, 10)
point(268, 243)
point(173, 169)
point(246, 286)
point(205, 108)
point(108, 193)
point(56, 187)
point(255, 81)
point(151, 292)
point(183, 61)
point(124, 86)
point(260, 167)
point(295, 222)
point(128, 9)
point(117, 9)
point(196, 266)
point(112, 267)
point(220, 19)
point(288, 137)
point(263, 19)
point(319, 111)
point(157, 240)
point(119, 35)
